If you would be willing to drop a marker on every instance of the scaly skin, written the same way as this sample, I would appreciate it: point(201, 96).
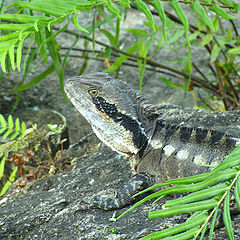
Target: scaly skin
point(161, 142)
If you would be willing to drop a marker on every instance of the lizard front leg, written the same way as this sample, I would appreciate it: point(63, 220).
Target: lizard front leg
point(124, 197)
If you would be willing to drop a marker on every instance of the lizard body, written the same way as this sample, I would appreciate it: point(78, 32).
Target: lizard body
point(164, 141)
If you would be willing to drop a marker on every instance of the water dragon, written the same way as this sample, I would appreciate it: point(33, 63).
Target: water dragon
point(161, 142)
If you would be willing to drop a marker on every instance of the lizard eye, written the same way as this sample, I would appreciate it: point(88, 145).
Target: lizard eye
point(93, 92)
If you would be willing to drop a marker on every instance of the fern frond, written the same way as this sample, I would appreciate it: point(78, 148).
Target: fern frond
point(9, 181)
point(2, 164)
point(209, 191)
point(34, 26)
point(10, 129)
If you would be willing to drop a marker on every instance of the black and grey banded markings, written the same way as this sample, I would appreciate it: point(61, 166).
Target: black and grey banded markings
point(182, 141)
point(130, 124)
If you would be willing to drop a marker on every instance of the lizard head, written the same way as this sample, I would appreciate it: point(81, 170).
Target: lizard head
point(109, 105)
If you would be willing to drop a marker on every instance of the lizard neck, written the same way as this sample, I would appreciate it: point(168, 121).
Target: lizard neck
point(122, 132)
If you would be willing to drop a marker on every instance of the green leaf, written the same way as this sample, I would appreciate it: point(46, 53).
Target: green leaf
point(171, 84)
point(19, 54)
point(2, 164)
point(137, 32)
point(142, 66)
point(159, 7)
point(234, 51)
point(9, 36)
point(10, 122)
point(199, 195)
point(52, 36)
point(3, 57)
point(237, 192)
point(31, 53)
point(213, 223)
point(148, 44)
point(68, 52)
point(229, 3)
point(17, 125)
point(56, 60)
point(110, 37)
point(11, 55)
point(143, 7)
point(40, 7)
point(179, 11)
point(40, 38)
point(176, 36)
point(145, 44)
point(124, 3)
point(17, 129)
point(133, 48)
point(215, 52)
point(98, 24)
point(207, 39)
point(159, 43)
point(185, 235)
point(186, 208)
point(12, 176)
point(178, 228)
point(227, 217)
point(216, 23)
point(9, 182)
point(209, 180)
point(7, 133)
point(75, 22)
point(23, 127)
point(188, 66)
point(3, 122)
point(25, 18)
point(194, 35)
point(113, 9)
point(35, 80)
point(205, 228)
point(14, 136)
point(220, 12)
point(200, 11)
point(16, 27)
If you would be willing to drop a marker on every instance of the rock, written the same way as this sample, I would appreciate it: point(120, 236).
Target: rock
point(49, 209)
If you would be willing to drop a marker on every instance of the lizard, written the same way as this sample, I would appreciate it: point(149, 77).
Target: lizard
point(161, 141)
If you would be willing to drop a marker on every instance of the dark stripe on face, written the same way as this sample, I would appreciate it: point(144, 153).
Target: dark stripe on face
point(139, 138)
point(185, 133)
point(108, 108)
point(201, 135)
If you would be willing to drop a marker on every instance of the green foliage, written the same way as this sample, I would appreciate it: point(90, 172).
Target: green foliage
point(16, 134)
point(21, 143)
point(36, 22)
point(206, 194)
point(11, 129)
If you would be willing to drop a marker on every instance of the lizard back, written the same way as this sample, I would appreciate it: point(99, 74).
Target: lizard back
point(166, 140)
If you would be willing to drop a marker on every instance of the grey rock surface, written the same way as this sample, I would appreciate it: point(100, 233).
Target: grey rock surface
point(49, 209)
